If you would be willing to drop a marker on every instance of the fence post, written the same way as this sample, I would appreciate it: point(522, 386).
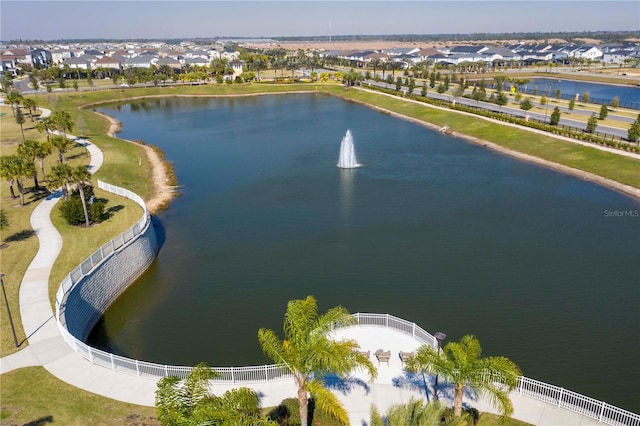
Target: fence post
point(387, 319)
point(233, 375)
point(137, 369)
point(601, 412)
point(113, 367)
point(166, 371)
point(266, 374)
point(560, 396)
point(90, 358)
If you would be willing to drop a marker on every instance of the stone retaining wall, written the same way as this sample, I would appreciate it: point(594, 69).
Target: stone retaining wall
point(92, 296)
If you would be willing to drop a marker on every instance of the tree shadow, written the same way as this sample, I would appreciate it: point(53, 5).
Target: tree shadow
point(343, 385)
point(20, 236)
point(40, 421)
point(111, 211)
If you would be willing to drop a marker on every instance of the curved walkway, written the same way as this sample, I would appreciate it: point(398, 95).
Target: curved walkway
point(48, 349)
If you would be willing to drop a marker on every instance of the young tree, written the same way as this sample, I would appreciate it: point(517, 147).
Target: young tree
point(460, 363)
point(423, 92)
point(555, 117)
point(585, 97)
point(604, 111)
point(592, 124)
point(526, 104)
point(615, 102)
point(633, 133)
point(307, 352)
point(572, 104)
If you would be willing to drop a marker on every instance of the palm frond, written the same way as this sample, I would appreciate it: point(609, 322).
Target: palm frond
point(327, 402)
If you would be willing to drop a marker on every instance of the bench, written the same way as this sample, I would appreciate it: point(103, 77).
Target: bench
point(382, 356)
point(404, 356)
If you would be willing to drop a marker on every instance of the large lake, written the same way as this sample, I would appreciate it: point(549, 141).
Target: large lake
point(542, 267)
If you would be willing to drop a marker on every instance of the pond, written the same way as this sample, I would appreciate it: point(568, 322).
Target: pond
point(540, 266)
point(628, 96)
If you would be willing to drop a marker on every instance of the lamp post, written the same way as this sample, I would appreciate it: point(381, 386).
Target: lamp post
point(13, 330)
point(439, 338)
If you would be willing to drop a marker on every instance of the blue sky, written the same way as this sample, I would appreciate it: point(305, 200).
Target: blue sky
point(50, 20)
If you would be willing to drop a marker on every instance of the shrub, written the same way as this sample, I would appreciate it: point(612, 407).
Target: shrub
point(71, 210)
point(96, 211)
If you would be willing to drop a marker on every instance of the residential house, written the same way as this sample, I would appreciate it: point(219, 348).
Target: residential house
point(114, 62)
point(41, 57)
point(59, 55)
point(75, 63)
point(238, 67)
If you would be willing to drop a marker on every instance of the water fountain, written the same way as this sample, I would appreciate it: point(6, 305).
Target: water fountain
point(347, 153)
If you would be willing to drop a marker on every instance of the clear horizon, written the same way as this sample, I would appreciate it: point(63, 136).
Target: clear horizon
point(122, 20)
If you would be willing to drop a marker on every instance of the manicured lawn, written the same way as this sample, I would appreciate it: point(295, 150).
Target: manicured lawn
point(33, 396)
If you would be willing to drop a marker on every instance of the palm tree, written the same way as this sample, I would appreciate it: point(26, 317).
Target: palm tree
point(189, 402)
point(60, 177)
point(81, 177)
point(20, 121)
point(460, 363)
point(62, 122)
point(30, 105)
point(45, 125)
point(416, 412)
point(375, 62)
point(309, 353)
point(35, 150)
point(6, 171)
point(62, 144)
point(14, 169)
point(13, 99)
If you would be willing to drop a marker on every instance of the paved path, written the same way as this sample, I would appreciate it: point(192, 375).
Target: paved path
point(47, 348)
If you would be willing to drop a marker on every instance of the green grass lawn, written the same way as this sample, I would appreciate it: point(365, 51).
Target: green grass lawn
point(32, 396)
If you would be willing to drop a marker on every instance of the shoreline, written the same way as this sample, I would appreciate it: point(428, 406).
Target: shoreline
point(164, 194)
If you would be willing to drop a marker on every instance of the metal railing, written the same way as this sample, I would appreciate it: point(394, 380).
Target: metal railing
point(572, 401)
point(104, 252)
point(563, 398)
